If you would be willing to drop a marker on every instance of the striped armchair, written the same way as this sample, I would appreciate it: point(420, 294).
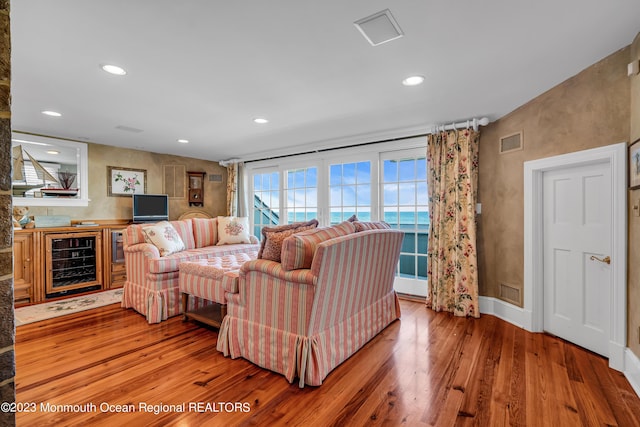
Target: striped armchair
point(303, 323)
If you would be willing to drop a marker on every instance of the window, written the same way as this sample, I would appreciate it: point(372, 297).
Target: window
point(373, 184)
point(350, 191)
point(405, 205)
point(301, 194)
point(266, 200)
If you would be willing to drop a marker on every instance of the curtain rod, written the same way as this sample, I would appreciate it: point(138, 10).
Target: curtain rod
point(460, 125)
point(474, 123)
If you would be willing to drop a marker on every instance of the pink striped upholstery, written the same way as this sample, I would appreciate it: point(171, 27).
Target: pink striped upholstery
point(185, 231)
point(203, 278)
point(205, 231)
point(370, 225)
point(152, 285)
point(303, 324)
point(298, 249)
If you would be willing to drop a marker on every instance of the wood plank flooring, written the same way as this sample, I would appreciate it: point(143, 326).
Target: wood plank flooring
point(425, 369)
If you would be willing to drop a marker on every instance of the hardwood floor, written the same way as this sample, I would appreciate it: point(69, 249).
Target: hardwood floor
point(426, 369)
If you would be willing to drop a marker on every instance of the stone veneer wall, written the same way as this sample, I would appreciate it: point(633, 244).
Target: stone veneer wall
point(7, 330)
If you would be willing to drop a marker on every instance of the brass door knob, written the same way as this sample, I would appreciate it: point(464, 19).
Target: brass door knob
point(606, 260)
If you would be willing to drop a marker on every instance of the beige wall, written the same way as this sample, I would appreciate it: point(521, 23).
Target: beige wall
point(633, 333)
point(103, 207)
point(589, 110)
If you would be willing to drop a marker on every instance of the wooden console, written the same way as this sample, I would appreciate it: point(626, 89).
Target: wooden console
point(60, 262)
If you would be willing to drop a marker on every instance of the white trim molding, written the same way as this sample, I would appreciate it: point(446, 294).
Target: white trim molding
point(519, 317)
point(506, 311)
point(632, 370)
point(615, 155)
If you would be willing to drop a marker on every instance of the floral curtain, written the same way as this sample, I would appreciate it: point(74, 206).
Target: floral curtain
point(452, 179)
point(232, 189)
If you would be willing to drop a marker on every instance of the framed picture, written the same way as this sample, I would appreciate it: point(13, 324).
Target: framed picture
point(126, 181)
point(634, 165)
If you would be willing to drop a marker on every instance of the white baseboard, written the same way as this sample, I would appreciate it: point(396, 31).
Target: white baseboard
point(632, 370)
point(513, 314)
point(622, 358)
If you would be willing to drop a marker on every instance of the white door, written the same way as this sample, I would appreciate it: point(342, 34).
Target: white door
point(577, 235)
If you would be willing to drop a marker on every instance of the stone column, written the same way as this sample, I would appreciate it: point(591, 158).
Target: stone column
point(7, 325)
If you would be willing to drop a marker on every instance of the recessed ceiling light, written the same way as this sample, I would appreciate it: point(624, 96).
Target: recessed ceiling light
point(51, 113)
point(260, 120)
point(113, 69)
point(183, 141)
point(53, 152)
point(413, 80)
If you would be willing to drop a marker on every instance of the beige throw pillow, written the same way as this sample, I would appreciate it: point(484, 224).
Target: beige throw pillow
point(233, 230)
point(164, 237)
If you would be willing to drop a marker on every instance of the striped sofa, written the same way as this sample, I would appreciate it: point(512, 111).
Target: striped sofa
point(325, 300)
point(152, 285)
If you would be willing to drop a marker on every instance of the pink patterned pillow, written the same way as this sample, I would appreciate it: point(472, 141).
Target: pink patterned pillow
point(298, 249)
point(371, 225)
point(272, 238)
point(164, 237)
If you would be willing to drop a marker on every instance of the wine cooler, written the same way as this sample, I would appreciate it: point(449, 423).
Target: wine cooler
point(73, 263)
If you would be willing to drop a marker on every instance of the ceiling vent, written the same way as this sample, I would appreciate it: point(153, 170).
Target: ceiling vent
point(379, 28)
point(511, 142)
point(128, 129)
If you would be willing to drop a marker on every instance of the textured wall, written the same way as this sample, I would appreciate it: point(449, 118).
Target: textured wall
point(7, 330)
point(102, 206)
point(588, 110)
point(633, 332)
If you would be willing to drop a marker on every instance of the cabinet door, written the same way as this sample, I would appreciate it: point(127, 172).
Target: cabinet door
point(23, 269)
point(114, 268)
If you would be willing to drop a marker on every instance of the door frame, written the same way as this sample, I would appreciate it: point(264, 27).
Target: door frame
point(616, 156)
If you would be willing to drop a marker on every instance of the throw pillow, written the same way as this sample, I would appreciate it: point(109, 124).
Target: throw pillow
point(298, 249)
point(272, 237)
point(371, 225)
point(205, 231)
point(164, 237)
point(233, 230)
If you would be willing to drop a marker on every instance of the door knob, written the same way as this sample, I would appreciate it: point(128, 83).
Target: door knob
point(606, 260)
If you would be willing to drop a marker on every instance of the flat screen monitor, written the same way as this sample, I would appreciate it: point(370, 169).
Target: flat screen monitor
point(150, 207)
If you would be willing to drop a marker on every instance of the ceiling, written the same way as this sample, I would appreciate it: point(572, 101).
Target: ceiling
point(202, 70)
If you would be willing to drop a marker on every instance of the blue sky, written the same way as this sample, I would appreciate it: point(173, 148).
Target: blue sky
point(404, 186)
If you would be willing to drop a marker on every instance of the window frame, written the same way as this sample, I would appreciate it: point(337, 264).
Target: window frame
point(374, 153)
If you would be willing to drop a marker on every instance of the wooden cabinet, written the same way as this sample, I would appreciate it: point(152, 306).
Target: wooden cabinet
point(196, 188)
point(60, 262)
point(23, 273)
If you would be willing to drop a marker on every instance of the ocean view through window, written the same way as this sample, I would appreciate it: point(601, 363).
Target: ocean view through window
point(387, 186)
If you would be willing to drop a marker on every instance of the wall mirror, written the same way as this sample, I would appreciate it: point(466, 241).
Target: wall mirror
point(48, 171)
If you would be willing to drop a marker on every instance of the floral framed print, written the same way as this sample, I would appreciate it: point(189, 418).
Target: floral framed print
point(634, 165)
point(126, 181)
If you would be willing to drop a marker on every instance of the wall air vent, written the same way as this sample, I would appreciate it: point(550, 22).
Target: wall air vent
point(510, 293)
point(215, 177)
point(379, 28)
point(511, 142)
